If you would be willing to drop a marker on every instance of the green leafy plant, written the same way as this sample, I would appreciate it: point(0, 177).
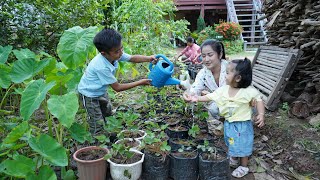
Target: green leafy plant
point(156, 145)
point(211, 151)
point(194, 130)
point(119, 153)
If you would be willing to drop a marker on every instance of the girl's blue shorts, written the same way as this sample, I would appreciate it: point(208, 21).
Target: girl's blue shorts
point(238, 136)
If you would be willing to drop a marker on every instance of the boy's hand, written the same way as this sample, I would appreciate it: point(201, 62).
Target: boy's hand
point(145, 81)
point(153, 59)
point(260, 120)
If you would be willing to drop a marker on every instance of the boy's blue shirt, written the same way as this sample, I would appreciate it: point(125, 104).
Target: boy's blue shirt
point(98, 75)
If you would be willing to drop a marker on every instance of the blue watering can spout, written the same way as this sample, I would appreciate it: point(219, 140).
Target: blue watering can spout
point(172, 81)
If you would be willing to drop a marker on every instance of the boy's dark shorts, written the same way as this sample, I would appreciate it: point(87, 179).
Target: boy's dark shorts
point(97, 109)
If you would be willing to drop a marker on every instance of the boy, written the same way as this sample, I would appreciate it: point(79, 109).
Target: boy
point(100, 74)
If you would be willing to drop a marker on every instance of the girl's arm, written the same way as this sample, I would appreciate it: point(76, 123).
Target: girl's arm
point(260, 116)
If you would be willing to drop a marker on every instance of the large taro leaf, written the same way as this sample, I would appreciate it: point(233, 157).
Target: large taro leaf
point(79, 133)
point(50, 149)
point(45, 173)
point(75, 44)
point(19, 167)
point(32, 97)
point(26, 68)
point(4, 53)
point(61, 79)
point(64, 108)
point(5, 80)
point(72, 84)
point(16, 133)
point(24, 54)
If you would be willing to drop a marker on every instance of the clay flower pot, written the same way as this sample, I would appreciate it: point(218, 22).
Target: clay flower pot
point(91, 169)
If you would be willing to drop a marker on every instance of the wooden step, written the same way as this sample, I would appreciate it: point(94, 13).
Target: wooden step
point(256, 31)
point(240, 5)
point(254, 37)
point(246, 20)
point(250, 25)
point(245, 10)
point(246, 15)
point(255, 43)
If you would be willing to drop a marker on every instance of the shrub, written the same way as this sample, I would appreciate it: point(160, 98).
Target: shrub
point(233, 47)
point(200, 24)
point(229, 30)
point(208, 33)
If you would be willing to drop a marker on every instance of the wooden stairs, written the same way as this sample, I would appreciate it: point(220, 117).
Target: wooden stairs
point(247, 13)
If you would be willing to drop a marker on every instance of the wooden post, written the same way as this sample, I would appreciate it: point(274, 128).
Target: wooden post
point(202, 11)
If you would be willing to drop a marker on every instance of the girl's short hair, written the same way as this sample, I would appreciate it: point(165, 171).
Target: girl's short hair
point(217, 46)
point(107, 39)
point(243, 68)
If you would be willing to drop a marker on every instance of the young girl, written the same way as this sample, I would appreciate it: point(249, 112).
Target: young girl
point(233, 101)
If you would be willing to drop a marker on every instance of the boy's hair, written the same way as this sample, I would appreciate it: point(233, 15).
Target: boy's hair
point(107, 39)
point(217, 46)
point(190, 40)
point(243, 68)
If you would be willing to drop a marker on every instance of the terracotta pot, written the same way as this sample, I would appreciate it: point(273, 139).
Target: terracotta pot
point(91, 169)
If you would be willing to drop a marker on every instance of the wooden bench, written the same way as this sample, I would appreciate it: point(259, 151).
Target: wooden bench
point(272, 68)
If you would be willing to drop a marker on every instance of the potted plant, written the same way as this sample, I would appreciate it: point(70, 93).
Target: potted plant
point(133, 133)
point(213, 162)
point(125, 163)
point(130, 143)
point(91, 163)
point(156, 163)
point(178, 131)
point(184, 163)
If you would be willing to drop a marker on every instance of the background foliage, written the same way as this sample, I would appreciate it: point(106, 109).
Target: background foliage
point(38, 25)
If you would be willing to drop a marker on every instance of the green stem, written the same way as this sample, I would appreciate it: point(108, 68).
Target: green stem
point(49, 119)
point(61, 134)
point(6, 94)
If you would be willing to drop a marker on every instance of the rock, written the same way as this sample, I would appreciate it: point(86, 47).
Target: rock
point(315, 121)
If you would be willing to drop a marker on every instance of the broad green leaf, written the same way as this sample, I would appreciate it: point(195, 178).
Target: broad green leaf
point(64, 108)
point(16, 133)
point(4, 76)
point(24, 54)
point(19, 167)
point(26, 68)
point(79, 133)
point(69, 175)
point(45, 173)
point(4, 53)
point(32, 97)
point(72, 84)
point(50, 149)
point(61, 79)
point(51, 66)
point(75, 44)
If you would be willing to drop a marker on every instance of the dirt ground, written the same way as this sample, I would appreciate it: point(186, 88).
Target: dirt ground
point(286, 148)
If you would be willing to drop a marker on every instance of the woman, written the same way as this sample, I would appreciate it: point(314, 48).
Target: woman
point(212, 76)
point(192, 52)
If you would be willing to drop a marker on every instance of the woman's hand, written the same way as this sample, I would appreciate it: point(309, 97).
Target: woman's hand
point(260, 120)
point(203, 93)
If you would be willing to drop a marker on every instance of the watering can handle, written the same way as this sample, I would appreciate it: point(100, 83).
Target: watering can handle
point(164, 57)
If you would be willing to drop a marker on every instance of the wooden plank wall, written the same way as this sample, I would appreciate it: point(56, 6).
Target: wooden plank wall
point(272, 68)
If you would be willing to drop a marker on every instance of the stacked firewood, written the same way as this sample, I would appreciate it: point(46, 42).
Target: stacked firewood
point(296, 24)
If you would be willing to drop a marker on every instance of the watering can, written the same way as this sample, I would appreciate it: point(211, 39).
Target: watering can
point(161, 73)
